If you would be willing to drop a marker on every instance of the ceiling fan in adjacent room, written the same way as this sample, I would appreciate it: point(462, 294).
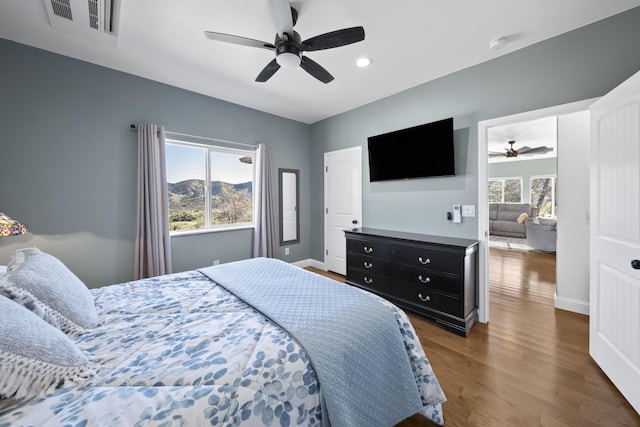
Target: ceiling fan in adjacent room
point(524, 151)
point(288, 45)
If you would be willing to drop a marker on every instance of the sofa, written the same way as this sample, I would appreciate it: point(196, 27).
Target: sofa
point(542, 234)
point(507, 219)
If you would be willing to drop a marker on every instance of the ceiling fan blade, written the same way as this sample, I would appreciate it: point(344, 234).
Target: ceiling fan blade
point(493, 154)
point(315, 69)
point(244, 41)
point(268, 71)
point(537, 150)
point(334, 39)
point(282, 16)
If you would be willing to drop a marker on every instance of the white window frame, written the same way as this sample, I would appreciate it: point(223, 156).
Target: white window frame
point(554, 179)
point(207, 150)
point(503, 179)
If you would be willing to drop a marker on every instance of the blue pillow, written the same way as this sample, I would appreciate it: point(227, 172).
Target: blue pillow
point(43, 284)
point(35, 357)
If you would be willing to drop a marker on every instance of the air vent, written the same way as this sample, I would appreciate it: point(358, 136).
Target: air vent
point(89, 19)
point(62, 8)
point(94, 16)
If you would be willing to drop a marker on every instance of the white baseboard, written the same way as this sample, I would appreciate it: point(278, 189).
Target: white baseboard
point(309, 262)
point(573, 305)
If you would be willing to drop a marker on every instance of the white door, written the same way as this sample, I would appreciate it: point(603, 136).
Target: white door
point(342, 203)
point(614, 325)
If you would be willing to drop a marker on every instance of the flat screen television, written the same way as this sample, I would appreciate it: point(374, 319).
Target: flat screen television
point(417, 152)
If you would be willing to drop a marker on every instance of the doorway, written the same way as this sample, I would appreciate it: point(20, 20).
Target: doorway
point(523, 185)
point(483, 199)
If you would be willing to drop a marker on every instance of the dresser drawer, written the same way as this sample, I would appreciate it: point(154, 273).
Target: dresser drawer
point(369, 248)
point(427, 279)
point(375, 282)
point(426, 258)
point(369, 264)
point(425, 298)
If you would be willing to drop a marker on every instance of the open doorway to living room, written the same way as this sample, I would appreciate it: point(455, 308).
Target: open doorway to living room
point(569, 204)
point(522, 185)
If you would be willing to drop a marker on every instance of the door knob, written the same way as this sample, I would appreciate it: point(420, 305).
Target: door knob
point(635, 264)
point(355, 221)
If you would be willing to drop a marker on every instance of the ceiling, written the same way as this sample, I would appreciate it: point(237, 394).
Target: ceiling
point(410, 41)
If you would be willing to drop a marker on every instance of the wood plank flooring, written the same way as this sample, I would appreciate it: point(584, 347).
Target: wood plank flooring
point(529, 366)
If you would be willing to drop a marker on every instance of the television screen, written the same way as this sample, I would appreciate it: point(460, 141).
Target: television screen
point(417, 152)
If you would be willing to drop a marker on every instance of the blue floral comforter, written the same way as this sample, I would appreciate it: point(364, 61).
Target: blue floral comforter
point(179, 350)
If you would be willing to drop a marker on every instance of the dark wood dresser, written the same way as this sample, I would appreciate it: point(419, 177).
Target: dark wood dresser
point(434, 276)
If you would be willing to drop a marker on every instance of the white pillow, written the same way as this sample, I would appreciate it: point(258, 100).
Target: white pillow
point(43, 284)
point(35, 357)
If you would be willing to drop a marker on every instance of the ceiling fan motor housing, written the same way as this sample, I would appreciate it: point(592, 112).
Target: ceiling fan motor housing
point(288, 49)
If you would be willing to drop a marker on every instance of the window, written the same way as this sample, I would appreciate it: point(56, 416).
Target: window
point(209, 187)
point(543, 195)
point(505, 190)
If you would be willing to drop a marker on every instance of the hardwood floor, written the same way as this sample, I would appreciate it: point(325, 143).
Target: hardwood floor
point(529, 366)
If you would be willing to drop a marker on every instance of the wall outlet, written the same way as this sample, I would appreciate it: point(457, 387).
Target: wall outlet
point(286, 251)
point(216, 261)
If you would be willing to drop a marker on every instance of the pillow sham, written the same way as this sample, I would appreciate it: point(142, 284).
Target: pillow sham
point(43, 284)
point(35, 357)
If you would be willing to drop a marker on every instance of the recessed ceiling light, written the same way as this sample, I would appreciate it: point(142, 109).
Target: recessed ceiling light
point(363, 62)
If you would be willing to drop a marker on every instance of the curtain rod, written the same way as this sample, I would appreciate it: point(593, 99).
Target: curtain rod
point(135, 127)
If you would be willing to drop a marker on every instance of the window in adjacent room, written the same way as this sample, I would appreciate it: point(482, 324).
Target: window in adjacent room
point(505, 190)
point(209, 187)
point(543, 195)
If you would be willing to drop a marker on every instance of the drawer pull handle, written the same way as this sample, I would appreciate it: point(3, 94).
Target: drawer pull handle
point(425, 279)
point(424, 261)
point(368, 281)
point(367, 249)
point(425, 298)
point(367, 264)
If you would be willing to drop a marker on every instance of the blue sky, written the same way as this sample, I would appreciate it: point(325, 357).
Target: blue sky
point(185, 162)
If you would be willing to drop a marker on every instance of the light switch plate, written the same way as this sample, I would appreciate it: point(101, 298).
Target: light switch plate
point(469, 210)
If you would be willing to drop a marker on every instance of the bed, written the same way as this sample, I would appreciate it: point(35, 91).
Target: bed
point(241, 344)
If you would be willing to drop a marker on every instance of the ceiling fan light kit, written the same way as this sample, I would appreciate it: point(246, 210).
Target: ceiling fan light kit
point(288, 45)
point(288, 53)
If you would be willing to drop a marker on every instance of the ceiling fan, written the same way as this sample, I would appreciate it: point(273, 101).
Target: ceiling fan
point(524, 151)
point(288, 45)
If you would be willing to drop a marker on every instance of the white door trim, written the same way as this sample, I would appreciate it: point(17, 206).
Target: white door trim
point(483, 197)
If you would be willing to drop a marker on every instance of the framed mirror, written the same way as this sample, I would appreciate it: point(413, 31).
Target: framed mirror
point(289, 214)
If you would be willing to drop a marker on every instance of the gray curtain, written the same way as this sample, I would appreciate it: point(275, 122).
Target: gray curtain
point(153, 244)
point(264, 239)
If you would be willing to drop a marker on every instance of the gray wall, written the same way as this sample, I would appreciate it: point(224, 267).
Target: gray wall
point(525, 169)
point(68, 160)
point(582, 64)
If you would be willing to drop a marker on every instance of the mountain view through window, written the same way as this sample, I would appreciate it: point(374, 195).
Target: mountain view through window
point(209, 187)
